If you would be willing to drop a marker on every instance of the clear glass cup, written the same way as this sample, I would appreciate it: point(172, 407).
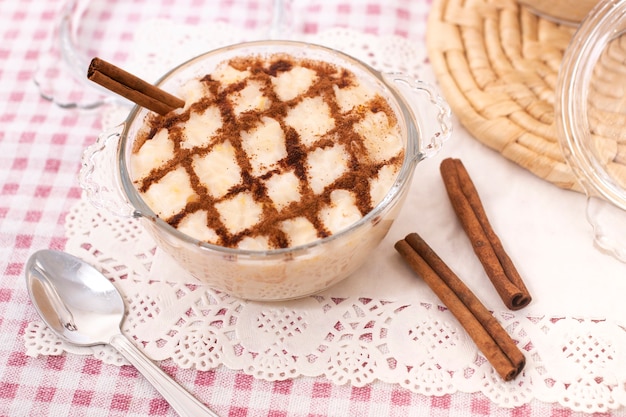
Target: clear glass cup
point(88, 28)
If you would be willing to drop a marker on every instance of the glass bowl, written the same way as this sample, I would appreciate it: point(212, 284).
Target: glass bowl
point(591, 120)
point(424, 120)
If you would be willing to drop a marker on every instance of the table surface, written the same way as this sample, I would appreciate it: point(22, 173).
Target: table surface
point(40, 152)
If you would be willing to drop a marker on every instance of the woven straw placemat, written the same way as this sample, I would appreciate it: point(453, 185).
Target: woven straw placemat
point(497, 65)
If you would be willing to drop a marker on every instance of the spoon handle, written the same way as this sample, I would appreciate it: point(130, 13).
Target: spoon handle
point(185, 404)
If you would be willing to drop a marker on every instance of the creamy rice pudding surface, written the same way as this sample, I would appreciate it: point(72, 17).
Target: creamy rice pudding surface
point(269, 152)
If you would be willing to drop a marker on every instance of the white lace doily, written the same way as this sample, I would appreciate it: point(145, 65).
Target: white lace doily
point(365, 329)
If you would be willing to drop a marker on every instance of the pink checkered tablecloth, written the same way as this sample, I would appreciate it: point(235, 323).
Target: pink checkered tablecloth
point(40, 151)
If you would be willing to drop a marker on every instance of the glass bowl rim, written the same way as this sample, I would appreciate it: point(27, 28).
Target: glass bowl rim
point(590, 39)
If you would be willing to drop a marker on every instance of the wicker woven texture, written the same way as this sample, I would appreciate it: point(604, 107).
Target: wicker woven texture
point(497, 65)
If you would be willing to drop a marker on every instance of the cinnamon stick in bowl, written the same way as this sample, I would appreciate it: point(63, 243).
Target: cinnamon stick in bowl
point(132, 87)
point(486, 332)
point(470, 211)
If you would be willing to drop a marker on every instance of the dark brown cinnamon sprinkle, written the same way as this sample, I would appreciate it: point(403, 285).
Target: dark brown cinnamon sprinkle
point(361, 168)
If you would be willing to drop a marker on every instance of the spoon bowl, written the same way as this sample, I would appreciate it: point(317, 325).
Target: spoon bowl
point(82, 307)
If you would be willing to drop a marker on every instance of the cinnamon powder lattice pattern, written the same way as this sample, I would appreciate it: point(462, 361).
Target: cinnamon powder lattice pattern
point(275, 152)
point(497, 64)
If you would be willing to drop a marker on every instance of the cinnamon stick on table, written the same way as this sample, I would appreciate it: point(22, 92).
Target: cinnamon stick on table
point(131, 87)
point(490, 337)
point(487, 246)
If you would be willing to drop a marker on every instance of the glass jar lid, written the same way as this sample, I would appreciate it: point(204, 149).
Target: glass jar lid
point(591, 119)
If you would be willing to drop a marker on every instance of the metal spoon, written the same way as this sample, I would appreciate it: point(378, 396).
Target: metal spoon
point(83, 307)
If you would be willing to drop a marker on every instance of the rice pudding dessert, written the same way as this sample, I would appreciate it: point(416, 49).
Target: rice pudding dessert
point(269, 151)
